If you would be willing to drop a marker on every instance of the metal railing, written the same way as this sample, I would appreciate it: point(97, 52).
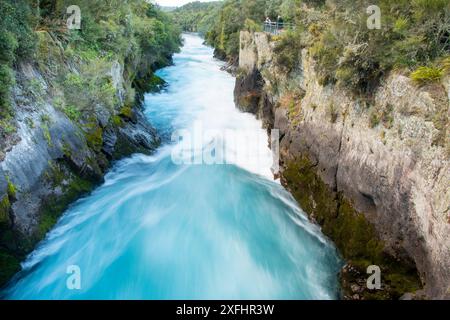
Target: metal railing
point(276, 28)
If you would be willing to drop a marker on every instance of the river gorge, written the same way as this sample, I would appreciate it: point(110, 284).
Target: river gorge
point(159, 230)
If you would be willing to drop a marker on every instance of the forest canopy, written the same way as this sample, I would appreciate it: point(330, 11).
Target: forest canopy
point(197, 16)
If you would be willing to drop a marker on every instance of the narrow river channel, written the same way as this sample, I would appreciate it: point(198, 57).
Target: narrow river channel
point(157, 229)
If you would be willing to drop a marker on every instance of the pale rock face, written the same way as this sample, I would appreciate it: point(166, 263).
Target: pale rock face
point(44, 142)
point(396, 174)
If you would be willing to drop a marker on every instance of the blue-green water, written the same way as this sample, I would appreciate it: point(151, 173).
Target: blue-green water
point(157, 230)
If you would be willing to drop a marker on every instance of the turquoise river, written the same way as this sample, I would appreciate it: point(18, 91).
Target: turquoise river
point(161, 227)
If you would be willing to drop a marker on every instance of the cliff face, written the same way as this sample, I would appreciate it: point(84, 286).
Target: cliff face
point(374, 172)
point(58, 153)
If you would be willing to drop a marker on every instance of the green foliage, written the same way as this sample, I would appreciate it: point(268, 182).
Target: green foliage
point(9, 265)
point(196, 16)
point(94, 137)
point(252, 26)
point(288, 51)
point(126, 112)
point(16, 41)
point(326, 52)
point(156, 37)
point(445, 63)
point(382, 115)
point(30, 123)
point(4, 209)
point(72, 113)
point(236, 15)
point(117, 121)
point(131, 31)
point(11, 189)
point(97, 88)
point(7, 126)
point(224, 34)
point(6, 82)
point(46, 133)
point(425, 75)
point(374, 119)
point(356, 57)
point(45, 118)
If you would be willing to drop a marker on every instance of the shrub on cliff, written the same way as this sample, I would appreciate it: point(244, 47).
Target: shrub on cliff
point(288, 51)
point(427, 74)
point(16, 41)
point(413, 34)
point(356, 57)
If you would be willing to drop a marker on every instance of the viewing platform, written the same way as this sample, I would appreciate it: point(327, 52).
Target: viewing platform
point(276, 28)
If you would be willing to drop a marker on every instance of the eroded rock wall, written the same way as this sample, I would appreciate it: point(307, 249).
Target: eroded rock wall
point(387, 155)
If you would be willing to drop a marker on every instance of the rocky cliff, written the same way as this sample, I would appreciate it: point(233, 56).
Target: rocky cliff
point(372, 171)
point(57, 152)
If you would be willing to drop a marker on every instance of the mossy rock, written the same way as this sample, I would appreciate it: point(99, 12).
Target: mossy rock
point(55, 205)
point(354, 236)
point(147, 83)
point(124, 147)
point(9, 265)
point(94, 138)
point(11, 189)
point(117, 121)
point(5, 206)
point(314, 196)
point(49, 55)
point(14, 246)
point(127, 112)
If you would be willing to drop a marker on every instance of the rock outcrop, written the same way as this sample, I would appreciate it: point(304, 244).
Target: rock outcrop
point(373, 171)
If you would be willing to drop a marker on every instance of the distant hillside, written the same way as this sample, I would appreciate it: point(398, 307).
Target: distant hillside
point(197, 16)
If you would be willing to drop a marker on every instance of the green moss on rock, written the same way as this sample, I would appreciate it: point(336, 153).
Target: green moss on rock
point(312, 194)
point(126, 112)
point(147, 83)
point(354, 236)
point(5, 206)
point(55, 205)
point(47, 135)
point(11, 189)
point(14, 246)
point(9, 265)
point(94, 138)
point(117, 121)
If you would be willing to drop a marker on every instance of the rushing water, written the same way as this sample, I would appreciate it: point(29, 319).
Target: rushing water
point(158, 230)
